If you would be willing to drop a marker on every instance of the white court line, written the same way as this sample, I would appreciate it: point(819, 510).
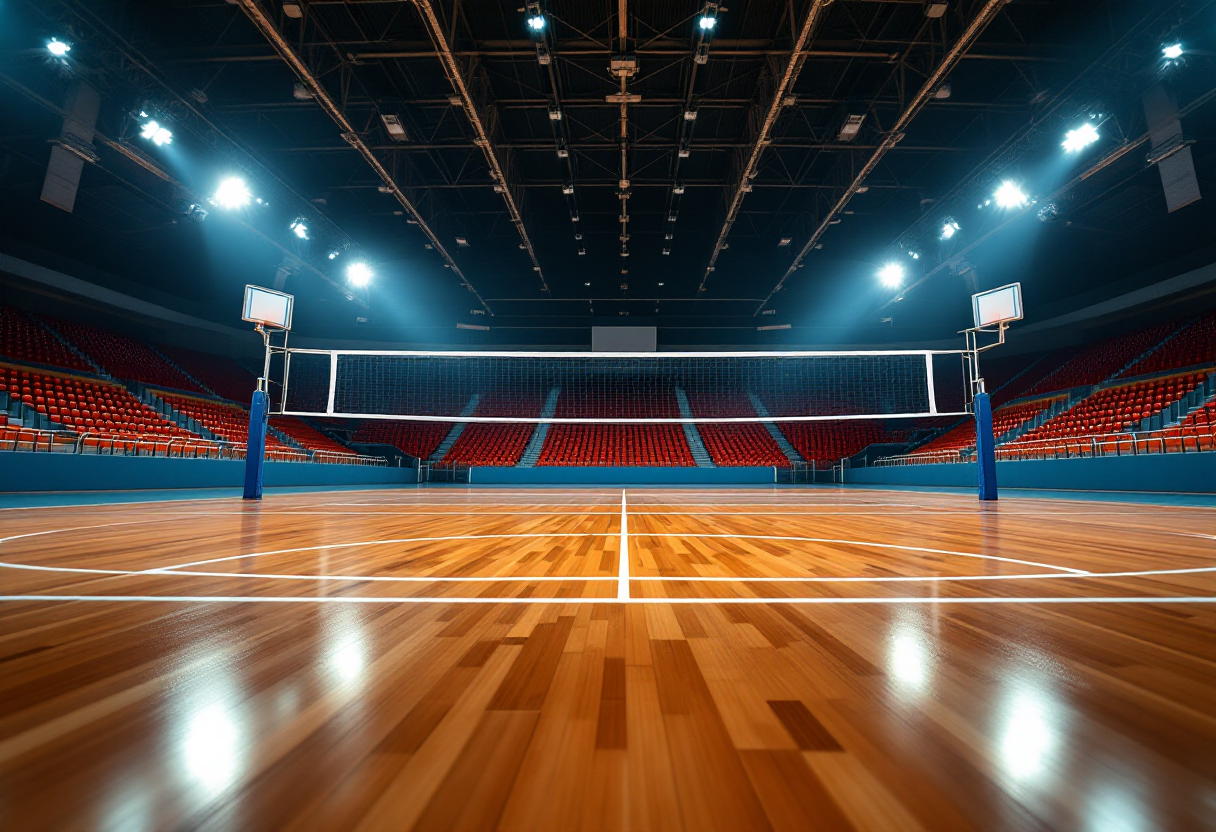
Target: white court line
point(333, 599)
point(624, 540)
point(422, 579)
point(161, 569)
point(622, 583)
point(417, 579)
point(874, 545)
point(370, 543)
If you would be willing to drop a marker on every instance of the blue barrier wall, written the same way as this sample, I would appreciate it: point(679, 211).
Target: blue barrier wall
point(23, 471)
point(1195, 473)
point(555, 475)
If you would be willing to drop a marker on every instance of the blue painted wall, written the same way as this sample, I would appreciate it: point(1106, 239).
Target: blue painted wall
point(1195, 473)
point(555, 475)
point(23, 471)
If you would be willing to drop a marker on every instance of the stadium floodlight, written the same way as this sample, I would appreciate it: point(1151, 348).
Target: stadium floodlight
point(891, 275)
point(300, 228)
point(333, 255)
point(1172, 52)
point(949, 229)
point(708, 23)
point(58, 48)
point(1009, 195)
point(1080, 138)
point(536, 23)
point(359, 274)
point(232, 193)
point(153, 132)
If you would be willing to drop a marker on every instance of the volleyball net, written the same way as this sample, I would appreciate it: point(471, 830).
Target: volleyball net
point(622, 388)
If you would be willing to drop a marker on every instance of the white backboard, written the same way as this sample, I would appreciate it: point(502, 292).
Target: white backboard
point(266, 306)
point(998, 305)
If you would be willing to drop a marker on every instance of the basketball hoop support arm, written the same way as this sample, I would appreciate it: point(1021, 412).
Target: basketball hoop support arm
point(973, 349)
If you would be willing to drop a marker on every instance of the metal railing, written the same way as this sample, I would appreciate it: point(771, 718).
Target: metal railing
point(47, 441)
point(1189, 439)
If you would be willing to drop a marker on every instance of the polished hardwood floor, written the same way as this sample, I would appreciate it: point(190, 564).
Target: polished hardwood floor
point(767, 659)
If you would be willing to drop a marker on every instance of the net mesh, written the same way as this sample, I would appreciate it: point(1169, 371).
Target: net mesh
point(702, 387)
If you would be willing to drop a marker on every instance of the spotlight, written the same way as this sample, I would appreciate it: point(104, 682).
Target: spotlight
point(536, 23)
point(333, 255)
point(232, 193)
point(300, 228)
point(914, 254)
point(891, 275)
point(60, 49)
point(156, 134)
point(1172, 52)
point(708, 23)
point(949, 229)
point(1080, 138)
point(1009, 195)
point(359, 274)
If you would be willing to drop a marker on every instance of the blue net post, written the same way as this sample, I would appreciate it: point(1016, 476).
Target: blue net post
point(255, 450)
point(985, 447)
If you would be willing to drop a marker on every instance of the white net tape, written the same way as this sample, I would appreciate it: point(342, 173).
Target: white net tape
point(622, 388)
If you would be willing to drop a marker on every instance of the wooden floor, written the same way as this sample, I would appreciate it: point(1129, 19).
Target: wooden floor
point(783, 659)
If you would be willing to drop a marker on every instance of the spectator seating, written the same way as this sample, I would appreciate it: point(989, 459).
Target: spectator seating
point(124, 357)
point(738, 443)
point(1100, 361)
point(1115, 408)
point(1198, 430)
point(496, 443)
point(418, 439)
point(833, 441)
point(226, 421)
point(306, 435)
point(1195, 345)
point(608, 444)
point(499, 443)
point(743, 443)
point(225, 377)
point(1004, 419)
point(24, 339)
point(1018, 386)
point(87, 406)
point(662, 445)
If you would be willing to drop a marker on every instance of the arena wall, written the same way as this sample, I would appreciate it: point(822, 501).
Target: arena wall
point(83, 472)
point(1188, 473)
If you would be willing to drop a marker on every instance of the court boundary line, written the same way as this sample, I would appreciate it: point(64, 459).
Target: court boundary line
point(622, 581)
point(332, 599)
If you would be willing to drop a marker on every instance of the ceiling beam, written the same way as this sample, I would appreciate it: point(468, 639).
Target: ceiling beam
point(896, 133)
point(547, 147)
point(482, 139)
point(266, 26)
point(764, 135)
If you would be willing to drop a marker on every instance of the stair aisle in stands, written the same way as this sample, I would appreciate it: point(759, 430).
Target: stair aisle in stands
point(692, 433)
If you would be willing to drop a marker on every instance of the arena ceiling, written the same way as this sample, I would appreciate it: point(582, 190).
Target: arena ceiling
point(621, 162)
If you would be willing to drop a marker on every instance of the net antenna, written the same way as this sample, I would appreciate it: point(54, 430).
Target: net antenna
point(270, 312)
point(993, 311)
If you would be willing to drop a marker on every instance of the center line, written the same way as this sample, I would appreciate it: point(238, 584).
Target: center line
point(622, 585)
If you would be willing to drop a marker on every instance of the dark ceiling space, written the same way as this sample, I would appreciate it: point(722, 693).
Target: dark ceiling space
point(775, 224)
